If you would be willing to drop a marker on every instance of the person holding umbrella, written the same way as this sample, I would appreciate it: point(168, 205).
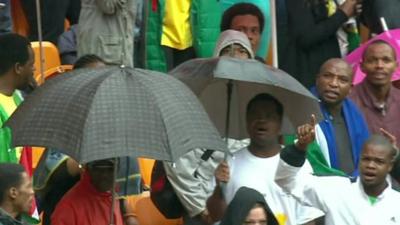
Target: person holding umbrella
point(89, 201)
point(254, 166)
point(56, 173)
point(191, 175)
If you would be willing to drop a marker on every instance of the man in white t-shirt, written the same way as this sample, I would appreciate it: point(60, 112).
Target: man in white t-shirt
point(255, 166)
point(368, 201)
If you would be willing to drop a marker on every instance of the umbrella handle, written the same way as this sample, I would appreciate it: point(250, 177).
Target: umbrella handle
point(229, 87)
point(383, 24)
point(113, 192)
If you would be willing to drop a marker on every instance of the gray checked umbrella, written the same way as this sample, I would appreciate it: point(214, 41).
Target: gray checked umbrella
point(225, 85)
point(93, 114)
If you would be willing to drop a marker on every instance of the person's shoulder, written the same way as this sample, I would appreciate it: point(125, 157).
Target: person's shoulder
point(356, 91)
point(395, 92)
point(335, 179)
point(395, 193)
point(241, 151)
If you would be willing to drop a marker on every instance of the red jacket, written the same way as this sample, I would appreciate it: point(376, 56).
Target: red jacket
point(84, 205)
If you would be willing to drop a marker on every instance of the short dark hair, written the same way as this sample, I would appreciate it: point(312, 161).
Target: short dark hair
point(10, 176)
point(264, 97)
point(241, 9)
point(85, 60)
point(378, 139)
point(13, 49)
point(376, 42)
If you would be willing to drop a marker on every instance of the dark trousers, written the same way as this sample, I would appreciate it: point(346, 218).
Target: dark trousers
point(53, 14)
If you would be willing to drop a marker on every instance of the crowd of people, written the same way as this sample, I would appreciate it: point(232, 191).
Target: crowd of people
point(344, 169)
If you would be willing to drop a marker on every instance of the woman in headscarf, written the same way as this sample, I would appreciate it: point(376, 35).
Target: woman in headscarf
point(234, 44)
point(248, 207)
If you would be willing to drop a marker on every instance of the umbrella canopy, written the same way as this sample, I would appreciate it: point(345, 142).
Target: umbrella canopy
point(354, 58)
point(93, 114)
point(209, 79)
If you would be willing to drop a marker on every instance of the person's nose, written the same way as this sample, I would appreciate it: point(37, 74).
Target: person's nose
point(249, 34)
point(371, 164)
point(334, 82)
point(380, 64)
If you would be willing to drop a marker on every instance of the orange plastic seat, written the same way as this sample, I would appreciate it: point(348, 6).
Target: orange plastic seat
point(51, 57)
point(148, 214)
point(37, 152)
point(52, 72)
point(145, 167)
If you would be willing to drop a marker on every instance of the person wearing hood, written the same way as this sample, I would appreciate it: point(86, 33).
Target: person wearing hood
point(248, 207)
point(191, 175)
point(234, 44)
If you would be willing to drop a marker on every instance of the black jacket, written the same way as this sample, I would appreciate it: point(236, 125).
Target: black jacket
point(244, 200)
point(374, 9)
point(6, 219)
point(312, 38)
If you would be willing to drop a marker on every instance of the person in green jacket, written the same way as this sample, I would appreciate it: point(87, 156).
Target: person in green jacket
point(16, 72)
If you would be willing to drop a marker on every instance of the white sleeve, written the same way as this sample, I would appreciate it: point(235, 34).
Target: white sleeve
point(303, 186)
point(193, 179)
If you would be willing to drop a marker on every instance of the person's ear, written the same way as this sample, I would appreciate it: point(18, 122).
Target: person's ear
point(391, 166)
point(18, 68)
point(13, 193)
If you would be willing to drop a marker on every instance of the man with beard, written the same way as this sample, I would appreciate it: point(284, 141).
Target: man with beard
point(16, 73)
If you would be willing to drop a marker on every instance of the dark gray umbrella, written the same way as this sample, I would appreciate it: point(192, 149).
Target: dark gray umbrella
point(225, 85)
point(112, 112)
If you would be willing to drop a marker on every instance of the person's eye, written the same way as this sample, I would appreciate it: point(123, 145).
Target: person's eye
point(244, 51)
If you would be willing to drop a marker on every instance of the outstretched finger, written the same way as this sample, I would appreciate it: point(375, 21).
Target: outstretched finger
point(313, 120)
point(389, 136)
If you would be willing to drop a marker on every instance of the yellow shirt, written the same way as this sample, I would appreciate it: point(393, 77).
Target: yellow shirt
point(8, 103)
point(9, 106)
point(331, 7)
point(176, 30)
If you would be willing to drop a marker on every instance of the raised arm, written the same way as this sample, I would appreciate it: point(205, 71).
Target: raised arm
point(303, 186)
